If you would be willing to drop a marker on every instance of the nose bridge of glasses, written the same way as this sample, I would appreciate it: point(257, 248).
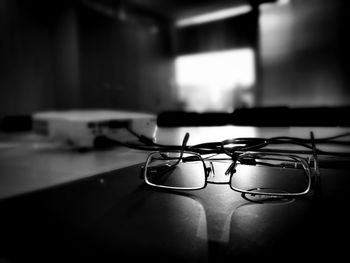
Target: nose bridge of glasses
point(215, 171)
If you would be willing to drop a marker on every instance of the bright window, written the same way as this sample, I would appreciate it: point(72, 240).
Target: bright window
point(215, 81)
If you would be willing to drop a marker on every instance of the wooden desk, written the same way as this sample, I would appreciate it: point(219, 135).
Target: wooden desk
point(93, 206)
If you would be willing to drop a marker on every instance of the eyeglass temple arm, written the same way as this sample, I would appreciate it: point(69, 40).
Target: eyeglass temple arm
point(183, 146)
point(314, 153)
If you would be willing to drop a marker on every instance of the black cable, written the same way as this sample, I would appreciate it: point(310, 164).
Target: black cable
point(240, 144)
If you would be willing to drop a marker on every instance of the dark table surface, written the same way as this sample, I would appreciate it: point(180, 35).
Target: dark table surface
point(111, 215)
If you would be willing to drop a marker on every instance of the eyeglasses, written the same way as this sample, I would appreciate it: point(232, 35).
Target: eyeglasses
point(255, 173)
point(242, 163)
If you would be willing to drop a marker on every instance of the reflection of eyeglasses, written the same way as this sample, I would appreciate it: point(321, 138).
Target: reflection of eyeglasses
point(256, 173)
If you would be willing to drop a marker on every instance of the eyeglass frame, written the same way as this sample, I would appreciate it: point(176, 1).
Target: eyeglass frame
point(298, 159)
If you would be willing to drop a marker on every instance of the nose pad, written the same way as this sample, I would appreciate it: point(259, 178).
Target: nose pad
point(208, 171)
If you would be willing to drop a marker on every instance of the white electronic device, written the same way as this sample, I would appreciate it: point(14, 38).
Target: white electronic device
point(80, 128)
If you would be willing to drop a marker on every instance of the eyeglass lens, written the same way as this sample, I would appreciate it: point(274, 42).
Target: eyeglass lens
point(270, 179)
point(163, 169)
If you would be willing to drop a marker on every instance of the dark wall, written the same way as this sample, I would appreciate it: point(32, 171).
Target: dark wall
point(64, 55)
point(305, 54)
point(124, 64)
point(26, 58)
point(39, 56)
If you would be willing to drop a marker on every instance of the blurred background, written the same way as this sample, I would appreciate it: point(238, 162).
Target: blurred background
point(159, 55)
